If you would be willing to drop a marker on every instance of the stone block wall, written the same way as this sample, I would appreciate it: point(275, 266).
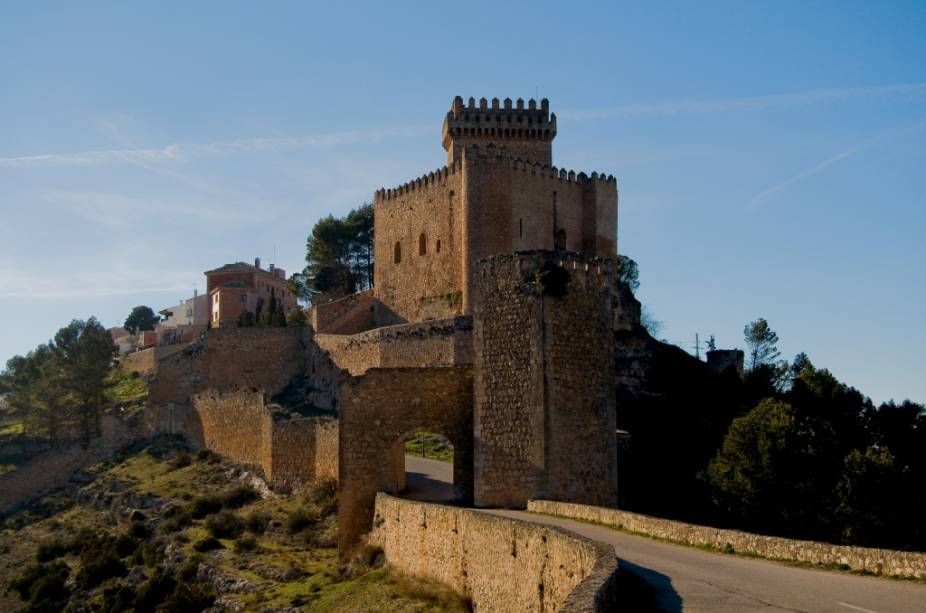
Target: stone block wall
point(242, 427)
point(439, 342)
point(348, 315)
point(545, 415)
point(146, 361)
point(381, 408)
point(501, 564)
point(877, 561)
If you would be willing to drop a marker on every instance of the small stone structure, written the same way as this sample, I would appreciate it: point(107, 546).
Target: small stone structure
point(501, 564)
point(864, 559)
point(719, 360)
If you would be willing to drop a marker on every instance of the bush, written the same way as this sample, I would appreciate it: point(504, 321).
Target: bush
point(180, 461)
point(194, 597)
point(97, 567)
point(257, 522)
point(245, 543)
point(190, 568)
point(300, 519)
point(40, 576)
point(51, 550)
point(323, 494)
point(153, 592)
point(208, 544)
point(138, 530)
point(205, 505)
point(207, 457)
point(224, 525)
point(237, 497)
point(176, 521)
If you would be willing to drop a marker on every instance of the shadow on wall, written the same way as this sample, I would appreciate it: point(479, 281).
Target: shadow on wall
point(645, 590)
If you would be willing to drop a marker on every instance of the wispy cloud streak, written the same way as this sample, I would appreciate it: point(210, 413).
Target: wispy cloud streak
point(754, 103)
point(179, 152)
point(761, 197)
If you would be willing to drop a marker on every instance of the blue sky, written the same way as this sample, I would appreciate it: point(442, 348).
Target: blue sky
point(770, 156)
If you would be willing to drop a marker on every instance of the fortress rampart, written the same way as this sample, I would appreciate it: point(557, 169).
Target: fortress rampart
point(501, 564)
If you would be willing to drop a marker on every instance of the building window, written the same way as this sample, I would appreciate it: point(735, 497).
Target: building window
point(437, 246)
point(560, 240)
point(397, 253)
point(243, 298)
point(422, 245)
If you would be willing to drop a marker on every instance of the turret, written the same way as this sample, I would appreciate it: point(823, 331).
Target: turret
point(526, 132)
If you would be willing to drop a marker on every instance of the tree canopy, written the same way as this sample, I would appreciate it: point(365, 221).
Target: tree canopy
point(339, 257)
point(762, 342)
point(141, 319)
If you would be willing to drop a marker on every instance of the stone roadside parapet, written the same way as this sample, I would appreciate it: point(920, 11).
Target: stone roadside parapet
point(862, 559)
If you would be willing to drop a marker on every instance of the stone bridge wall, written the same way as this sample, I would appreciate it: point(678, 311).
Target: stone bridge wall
point(877, 561)
point(501, 564)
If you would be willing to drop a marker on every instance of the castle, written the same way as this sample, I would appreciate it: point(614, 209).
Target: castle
point(492, 321)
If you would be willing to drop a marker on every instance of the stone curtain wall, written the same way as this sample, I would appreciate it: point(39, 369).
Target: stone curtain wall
point(382, 407)
point(52, 469)
point(146, 361)
point(544, 418)
point(348, 315)
point(877, 561)
point(441, 342)
point(501, 564)
point(259, 357)
point(421, 286)
point(240, 426)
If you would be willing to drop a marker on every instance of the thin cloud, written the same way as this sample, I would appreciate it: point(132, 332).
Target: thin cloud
point(116, 281)
point(759, 198)
point(179, 152)
point(754, 103)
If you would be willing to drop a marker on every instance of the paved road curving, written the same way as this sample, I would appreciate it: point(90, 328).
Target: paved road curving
point(689, 579)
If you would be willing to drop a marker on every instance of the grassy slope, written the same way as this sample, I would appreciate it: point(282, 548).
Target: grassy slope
point(287, 567)
point(430, 445)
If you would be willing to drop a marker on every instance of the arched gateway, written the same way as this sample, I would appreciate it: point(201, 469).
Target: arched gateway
point(380, 408)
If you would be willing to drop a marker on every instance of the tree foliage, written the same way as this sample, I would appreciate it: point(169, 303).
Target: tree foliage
point(141, 319)
point(61, 386)
point(628, 272)
point(762, 342)
point(339, 257)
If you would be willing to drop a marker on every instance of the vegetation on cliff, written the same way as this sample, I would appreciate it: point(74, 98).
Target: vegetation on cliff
point(160, 528)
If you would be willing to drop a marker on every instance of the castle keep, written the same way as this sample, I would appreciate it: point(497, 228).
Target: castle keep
point(493, 322)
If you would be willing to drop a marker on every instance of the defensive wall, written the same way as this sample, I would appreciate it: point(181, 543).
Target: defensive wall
point(351, 314)
point(145, 362)
point(501, 564)
point(379, 410)
point(264, 358)
point(52, 469)
point(440, 342)
point(545, 415)
point(289, 449)
point(865, 559)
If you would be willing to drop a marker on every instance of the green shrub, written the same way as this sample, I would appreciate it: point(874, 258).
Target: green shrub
point(245, 543)
point(176, 522)
point(137, 515)
point(189, 597)
point(39, 578)
point(154, 591)
point(97, 567)
point(137, 529)
point(224, 524)
point(300, 519)
point(208, 544)
point(323, 494)
point(205, 505)
point(207, 456)
point(180, 461)
point(257, 522)
point(237, 497)
point(189, 569)
point(51, 550)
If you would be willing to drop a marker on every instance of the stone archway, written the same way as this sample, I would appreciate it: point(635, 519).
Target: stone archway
point(381, 407)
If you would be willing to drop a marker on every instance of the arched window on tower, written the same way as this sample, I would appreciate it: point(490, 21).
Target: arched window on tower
point(437, 246)
point(560, 240)
point(423, 245)
point(397, 253)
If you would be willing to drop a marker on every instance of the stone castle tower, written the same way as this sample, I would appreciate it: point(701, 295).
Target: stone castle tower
point(498, 193)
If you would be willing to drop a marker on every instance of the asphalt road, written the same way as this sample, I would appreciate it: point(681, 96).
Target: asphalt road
point(689, 579)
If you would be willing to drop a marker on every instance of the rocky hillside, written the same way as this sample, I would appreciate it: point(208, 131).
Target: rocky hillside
point(160, 528)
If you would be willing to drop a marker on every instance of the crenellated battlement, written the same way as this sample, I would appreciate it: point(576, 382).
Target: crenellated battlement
point(439, 176)
point(529, 129)
point(493, 153)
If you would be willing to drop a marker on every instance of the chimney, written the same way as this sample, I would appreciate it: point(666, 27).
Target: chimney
point(257, 263)
point(271, 269)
